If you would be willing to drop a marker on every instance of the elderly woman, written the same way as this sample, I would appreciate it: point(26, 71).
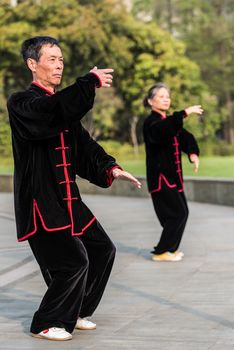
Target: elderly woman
point(165, 139)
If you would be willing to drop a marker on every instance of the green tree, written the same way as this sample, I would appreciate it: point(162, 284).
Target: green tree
point(157, 56)
point(102, 33)
point(207, 29)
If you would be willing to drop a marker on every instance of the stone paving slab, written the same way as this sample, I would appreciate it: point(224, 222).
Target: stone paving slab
point(186, 305)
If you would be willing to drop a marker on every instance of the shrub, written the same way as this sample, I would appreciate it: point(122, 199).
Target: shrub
point(218, 148)
point(122, 151)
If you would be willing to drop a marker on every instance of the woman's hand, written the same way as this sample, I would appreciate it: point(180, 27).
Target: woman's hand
point(195, 160)
point(103, 75)
point(124, 175)
point(194, 109)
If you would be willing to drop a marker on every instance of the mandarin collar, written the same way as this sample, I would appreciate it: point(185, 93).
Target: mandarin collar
point(156, 114)
point(46, 91)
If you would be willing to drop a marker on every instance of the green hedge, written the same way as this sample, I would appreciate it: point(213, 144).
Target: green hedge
point(124, 154)
point(5, 140)
point(216, 148)
point(122, 151)
point(125, 151)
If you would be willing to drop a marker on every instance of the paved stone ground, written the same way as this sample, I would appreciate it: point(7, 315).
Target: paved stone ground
point(186, 305)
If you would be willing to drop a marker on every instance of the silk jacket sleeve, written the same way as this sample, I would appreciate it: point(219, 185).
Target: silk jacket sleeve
point(188, 143)
point(160, 131)
point(35, 116)
point(93, 163)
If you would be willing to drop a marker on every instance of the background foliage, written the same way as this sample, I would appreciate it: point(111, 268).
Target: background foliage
point(181, 43)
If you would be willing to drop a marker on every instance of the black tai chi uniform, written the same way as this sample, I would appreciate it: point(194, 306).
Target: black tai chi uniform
point(51, 147)
point(165, 139)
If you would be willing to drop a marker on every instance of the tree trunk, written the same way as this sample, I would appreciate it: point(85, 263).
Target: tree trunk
point(227, 99)
point(229, 125)
point(169, 16)
point(134, 140)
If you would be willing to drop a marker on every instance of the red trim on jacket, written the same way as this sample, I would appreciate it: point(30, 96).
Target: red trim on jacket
point(178, 162)
point(54, 229)
point(163, 177)
point(68, 198)
point(67, 181)
point(84, 228)
point(110, 177)
point(68, 188)
point(58, 148)
point(36, 210)
point(99, 80)
point(43, 88)
point(64, 165)
point(178, 170)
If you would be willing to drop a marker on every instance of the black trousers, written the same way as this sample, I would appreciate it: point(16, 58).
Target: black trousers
point(76, 270)
point(172, 211)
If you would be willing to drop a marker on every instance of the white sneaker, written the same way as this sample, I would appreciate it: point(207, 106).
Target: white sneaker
point(85, 324)
point(178, 252)
point(53, 333)
point(167, 256)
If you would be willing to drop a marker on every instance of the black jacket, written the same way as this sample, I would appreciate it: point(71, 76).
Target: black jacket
point(50, 148)
point(165, 139)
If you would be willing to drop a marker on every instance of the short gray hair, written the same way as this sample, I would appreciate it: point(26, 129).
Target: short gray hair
point(153, 91)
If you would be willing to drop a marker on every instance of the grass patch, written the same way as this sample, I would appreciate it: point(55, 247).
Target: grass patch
point(6, 165)
point(214, 166)
point(209, 166)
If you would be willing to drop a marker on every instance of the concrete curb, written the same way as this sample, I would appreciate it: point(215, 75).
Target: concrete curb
point(201, 189)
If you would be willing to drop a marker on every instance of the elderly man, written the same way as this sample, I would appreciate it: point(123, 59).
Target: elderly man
point(50, 148)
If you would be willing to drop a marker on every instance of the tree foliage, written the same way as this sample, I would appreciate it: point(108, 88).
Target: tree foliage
point(207, 28)
point(102, 33)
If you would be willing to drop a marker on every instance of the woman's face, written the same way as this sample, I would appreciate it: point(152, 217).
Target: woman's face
point(161, 101)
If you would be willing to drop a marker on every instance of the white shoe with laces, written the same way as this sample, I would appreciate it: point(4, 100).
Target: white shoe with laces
point(53, 333)
point(85, 324)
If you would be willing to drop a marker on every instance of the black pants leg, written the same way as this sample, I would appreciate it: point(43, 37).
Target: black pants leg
point(65, 258)
point(98, 252)
point(101, 254)
point(172, 211)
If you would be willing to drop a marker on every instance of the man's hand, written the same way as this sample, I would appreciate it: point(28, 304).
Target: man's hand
point(195, 160)
point(103, 75)
point(194, 109)
point(124, 175)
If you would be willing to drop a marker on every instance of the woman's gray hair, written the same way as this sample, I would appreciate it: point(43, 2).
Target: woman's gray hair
point(153, 91)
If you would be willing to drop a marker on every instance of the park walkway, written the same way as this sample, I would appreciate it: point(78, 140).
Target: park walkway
point(186, 305)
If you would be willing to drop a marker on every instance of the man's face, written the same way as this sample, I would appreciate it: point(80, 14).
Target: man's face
point(49, 69)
